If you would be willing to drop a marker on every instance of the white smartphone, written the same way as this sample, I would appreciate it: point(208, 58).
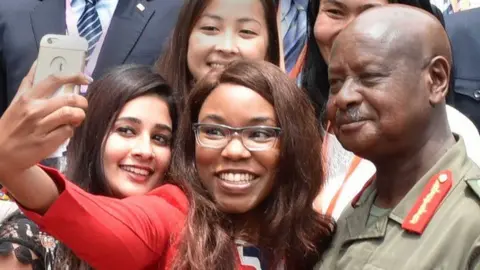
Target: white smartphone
point(60, 54)
point(63, 55)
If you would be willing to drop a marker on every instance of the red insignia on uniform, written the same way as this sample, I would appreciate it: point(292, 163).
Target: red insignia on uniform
point(428, 202)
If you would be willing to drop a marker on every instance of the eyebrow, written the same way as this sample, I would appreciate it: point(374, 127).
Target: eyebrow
point(362, 8)
point(368, 6)
point(248, 19)
point(334, 69)
point(336, 2)
point(139, 122)
point(242, 20)
point(212, 16)
point(260, 120)
point(375, 63)
point(253, 121)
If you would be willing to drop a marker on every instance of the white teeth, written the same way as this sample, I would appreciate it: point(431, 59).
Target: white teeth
point(135, 170)
point(213, 65)
point(237, 177)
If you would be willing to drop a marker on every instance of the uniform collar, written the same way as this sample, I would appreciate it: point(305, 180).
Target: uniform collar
point(454, 163)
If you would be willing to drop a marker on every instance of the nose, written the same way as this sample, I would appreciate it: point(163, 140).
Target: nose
point(347, 97)
point(142, 148)
point(235, 150)
point(227, 43)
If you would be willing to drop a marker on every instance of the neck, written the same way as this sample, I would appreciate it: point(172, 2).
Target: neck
point(246, 226)
point(398, 173)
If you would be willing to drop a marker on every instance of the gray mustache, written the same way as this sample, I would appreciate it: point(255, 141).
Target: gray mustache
point(350, 115)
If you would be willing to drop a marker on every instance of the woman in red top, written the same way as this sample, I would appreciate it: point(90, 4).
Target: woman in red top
point(244, 176)
point(125, 140)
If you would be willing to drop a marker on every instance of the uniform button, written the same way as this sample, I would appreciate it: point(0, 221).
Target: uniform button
point(442, 178)
point(476, 94)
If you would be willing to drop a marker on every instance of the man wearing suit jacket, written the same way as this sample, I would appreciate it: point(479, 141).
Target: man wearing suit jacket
point(132, 31)
point(464, 34)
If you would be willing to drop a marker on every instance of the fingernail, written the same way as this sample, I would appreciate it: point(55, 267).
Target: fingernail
point(83, 89)
point(89, 79)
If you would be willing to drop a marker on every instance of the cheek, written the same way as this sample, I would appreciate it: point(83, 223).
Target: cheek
point(387, 109)
point(162, 159)
point(116, 149)
point(204, 160)
point(325, 31)
point(254, 49)
point(331, 109)
point(269, 161)
point(393, 113)
point(196, 54)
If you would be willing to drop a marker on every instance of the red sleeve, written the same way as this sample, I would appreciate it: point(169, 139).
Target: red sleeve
point(109, 233)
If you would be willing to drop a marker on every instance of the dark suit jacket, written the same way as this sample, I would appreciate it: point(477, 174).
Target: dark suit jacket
point(464, 33)
point(134, 36)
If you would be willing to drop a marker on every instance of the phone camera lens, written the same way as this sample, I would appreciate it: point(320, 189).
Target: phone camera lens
point(49, 41)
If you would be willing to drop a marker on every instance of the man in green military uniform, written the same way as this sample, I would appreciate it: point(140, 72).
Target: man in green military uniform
point(389, 73)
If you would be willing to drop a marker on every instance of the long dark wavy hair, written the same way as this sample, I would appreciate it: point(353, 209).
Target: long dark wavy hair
point(290, 230)
point(106, 97)
point(315, 70)
point(173, 62)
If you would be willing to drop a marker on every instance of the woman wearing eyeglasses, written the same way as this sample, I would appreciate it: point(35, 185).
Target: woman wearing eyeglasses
point(244, 176)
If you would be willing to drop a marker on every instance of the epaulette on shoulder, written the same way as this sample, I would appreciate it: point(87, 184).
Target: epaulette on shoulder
point(474, 184)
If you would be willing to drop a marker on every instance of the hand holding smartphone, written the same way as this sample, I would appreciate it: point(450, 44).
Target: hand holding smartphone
point(63, 55)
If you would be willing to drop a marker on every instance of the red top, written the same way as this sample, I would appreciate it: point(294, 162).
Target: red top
point(132, 233)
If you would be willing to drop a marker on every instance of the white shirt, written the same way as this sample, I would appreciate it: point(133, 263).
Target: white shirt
point(461, 125)
point(105, 10)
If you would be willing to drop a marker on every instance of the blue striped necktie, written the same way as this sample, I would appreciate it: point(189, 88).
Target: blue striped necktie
point(89, 25)
point(294, 29)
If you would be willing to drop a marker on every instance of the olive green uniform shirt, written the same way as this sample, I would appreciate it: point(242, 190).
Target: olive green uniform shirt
point(450, 240)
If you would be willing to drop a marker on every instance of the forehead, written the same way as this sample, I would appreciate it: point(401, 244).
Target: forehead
point(230, 9)
point(357, 48)
point(148, 108)
point(236, 104)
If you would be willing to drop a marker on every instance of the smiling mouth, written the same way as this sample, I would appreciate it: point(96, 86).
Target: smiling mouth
point(237, 178)
point(137, 170)
point(216, 65)
point(350, 126)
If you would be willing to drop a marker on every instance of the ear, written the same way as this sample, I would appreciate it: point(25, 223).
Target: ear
point(438, 79)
